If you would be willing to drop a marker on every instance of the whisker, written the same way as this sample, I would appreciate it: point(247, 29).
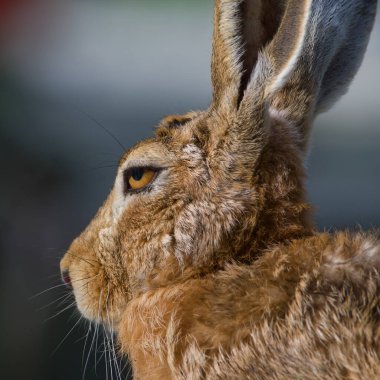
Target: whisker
point(64, 339)
point(81, 338)
point(88, 356)
point(85, 342)
point(85, 278)
point(64, 297)
point(117, 369)
point(93, 339)
point(88, 261)
point(101, 350)
point(109, 356)
point(127, 364)
point(63, 302)
point(108, 342)
point(46, 290)
point(60, 312)
point(96, 345)
point(105, 353)
point(60, 285)
point(103, 127)
point(97, 328)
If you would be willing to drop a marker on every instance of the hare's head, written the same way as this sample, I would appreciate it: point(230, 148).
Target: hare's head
point(222, 184)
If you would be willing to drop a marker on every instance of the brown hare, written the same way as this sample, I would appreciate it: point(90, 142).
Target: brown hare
point(203, 259)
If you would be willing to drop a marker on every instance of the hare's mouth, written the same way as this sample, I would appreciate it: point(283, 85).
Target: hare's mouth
point(99, 305)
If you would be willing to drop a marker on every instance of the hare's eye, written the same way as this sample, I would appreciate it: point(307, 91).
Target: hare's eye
point(138, 178)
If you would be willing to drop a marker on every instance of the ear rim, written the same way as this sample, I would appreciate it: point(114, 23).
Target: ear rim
point(299, 18)
point(225, 66)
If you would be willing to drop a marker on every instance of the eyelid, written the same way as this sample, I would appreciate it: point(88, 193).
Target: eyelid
point(129, 169)
point(155, 164)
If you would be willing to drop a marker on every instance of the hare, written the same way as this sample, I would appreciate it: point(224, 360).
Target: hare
point(204, 260)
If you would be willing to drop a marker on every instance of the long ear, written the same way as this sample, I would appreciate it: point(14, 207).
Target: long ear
point(241, 29)
point(311, 60)
point(256, 44)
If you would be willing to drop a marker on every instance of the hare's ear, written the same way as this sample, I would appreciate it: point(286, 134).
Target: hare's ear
point(256, 45)
point(310, 61)
point(241, 29)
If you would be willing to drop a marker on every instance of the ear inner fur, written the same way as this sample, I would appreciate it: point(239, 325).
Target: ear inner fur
point(259, 23)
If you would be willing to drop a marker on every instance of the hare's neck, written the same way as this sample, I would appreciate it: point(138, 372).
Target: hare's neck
point(284, 214)
point(162, 326)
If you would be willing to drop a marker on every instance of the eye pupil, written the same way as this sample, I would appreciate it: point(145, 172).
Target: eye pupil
point(137, 174)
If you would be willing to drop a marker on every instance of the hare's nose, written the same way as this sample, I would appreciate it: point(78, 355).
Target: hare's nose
point(66, 278)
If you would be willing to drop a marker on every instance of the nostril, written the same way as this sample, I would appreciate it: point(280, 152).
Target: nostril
point(66, 278)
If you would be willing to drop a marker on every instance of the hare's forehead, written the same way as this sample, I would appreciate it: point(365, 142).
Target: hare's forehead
point(156, 153)
point(150, 153)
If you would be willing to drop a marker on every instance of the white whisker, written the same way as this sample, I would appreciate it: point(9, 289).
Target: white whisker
point(61, 311)
point(64, 297)
point(47, 290)
point(66, 336)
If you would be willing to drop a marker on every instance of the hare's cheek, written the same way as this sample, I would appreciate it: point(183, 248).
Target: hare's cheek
point(167, 244)
point(106, 246)
point(108, 253)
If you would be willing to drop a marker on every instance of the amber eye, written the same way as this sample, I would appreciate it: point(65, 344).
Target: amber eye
point(138, 178)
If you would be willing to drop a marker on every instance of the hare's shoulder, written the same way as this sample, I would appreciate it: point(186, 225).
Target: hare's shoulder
point(346, 266)
point(331, 273)
point(323, 273)
point(342, 266)
point(316, 298)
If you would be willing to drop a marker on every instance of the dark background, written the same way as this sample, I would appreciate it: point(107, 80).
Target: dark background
point(65, 67)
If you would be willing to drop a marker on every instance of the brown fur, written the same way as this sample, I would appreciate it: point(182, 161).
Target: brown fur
point(214, 271)
point(308, 310)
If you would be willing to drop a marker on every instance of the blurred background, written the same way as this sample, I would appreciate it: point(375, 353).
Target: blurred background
point(72, 70)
